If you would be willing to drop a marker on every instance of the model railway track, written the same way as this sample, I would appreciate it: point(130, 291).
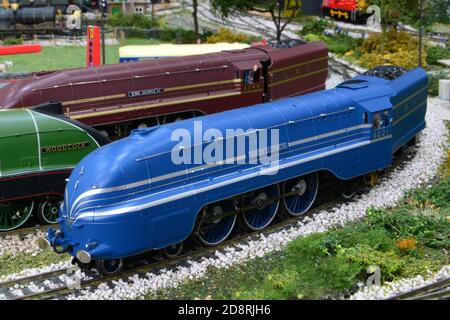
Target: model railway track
point(340, 68)
point(25, 231)
point(25, 280)
point(439, 290)
point(96, 279)
point(61, 289)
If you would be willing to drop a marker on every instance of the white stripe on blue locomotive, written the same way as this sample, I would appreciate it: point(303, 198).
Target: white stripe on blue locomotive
point(326, 130)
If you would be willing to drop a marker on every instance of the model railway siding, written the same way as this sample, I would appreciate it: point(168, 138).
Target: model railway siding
point(29, 279)
point(429, 286)
point(25, 231)
point(144, 265)
point(166, 264)
point(437, 290)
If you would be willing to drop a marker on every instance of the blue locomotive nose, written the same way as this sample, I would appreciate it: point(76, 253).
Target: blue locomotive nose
point(99, 179)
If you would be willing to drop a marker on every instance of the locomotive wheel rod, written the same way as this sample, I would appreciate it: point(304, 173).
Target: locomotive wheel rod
point(246, 208)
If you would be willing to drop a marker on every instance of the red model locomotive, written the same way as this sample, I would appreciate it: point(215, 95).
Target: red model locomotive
point(346, 10)
point(118, 98)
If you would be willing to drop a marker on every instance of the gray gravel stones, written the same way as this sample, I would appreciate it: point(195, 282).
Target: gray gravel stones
point(394, 288)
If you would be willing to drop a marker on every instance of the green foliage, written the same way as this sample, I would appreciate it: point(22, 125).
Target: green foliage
point(14, 264)
point(226, 35)
point(394, 11)
point(393, 47)
point(181, 36)
point(339, 43)
point(139, 21)
point(74, 57)
point(423, 215)
point(342, 43)
point(435, 53)
point(225, 8)
point(407, 11)
point(11, 41)
point(434, 13)
point(314, 26)
point(433, 82)
point(331, 263)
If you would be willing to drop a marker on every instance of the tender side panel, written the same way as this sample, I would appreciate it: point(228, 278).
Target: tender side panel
point(409, 106)
point(298, 70)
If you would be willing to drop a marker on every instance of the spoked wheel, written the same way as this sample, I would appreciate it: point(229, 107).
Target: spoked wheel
point(14, 214)
point(305, 191)
point(260, 217)
point(214, 231)
point(173, 250)
point(178, 117)
point(48, 210)
point(109, 267)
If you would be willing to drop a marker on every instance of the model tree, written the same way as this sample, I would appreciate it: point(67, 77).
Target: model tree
point(394, 11)
point(195, 17)
point(281, 15)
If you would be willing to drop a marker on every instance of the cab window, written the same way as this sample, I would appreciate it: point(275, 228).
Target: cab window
point(376, 121)
point(247, 77)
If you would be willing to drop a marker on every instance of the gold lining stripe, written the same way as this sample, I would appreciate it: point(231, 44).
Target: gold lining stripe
point(204, 84)
point(137, 108)
point(170, 89)
point(299, 64)
point(295, 78)
point(409, 98)
point(252, 91)
point(407, 114)
point(114, 96)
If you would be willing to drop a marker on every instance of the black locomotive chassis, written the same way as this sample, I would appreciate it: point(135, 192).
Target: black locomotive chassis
point(31, 185)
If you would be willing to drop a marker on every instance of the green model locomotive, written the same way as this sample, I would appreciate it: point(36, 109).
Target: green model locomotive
point(39, 149)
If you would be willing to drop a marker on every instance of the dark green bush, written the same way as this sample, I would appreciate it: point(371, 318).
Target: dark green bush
point(11, 41)
point(181, 36)
point(315, 26)
point(342, 43)
point(433, 83)
point(436, 53)
point(132, 20)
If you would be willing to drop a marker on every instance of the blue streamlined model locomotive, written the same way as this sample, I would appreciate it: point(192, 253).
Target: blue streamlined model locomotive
point(158, 186)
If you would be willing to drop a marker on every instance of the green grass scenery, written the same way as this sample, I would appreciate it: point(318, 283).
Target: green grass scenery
point(15, 264)
point(64, 57)
point(403, 241)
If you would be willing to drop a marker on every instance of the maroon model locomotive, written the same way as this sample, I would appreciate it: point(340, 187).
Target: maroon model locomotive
point(118, 98)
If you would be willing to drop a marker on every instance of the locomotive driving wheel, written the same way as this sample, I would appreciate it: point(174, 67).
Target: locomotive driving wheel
point(48, 210)
point(303, 190)
point(212, 230)
point(265, 211)
point(109, 267)
point(14, 214)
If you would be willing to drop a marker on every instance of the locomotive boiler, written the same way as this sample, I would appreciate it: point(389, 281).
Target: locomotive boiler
point(155, 188)
point(117, 98)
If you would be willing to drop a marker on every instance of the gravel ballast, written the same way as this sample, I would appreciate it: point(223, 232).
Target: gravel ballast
point(391, 289)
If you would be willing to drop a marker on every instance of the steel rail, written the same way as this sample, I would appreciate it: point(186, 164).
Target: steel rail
point(166, 263)
point(425, 292)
